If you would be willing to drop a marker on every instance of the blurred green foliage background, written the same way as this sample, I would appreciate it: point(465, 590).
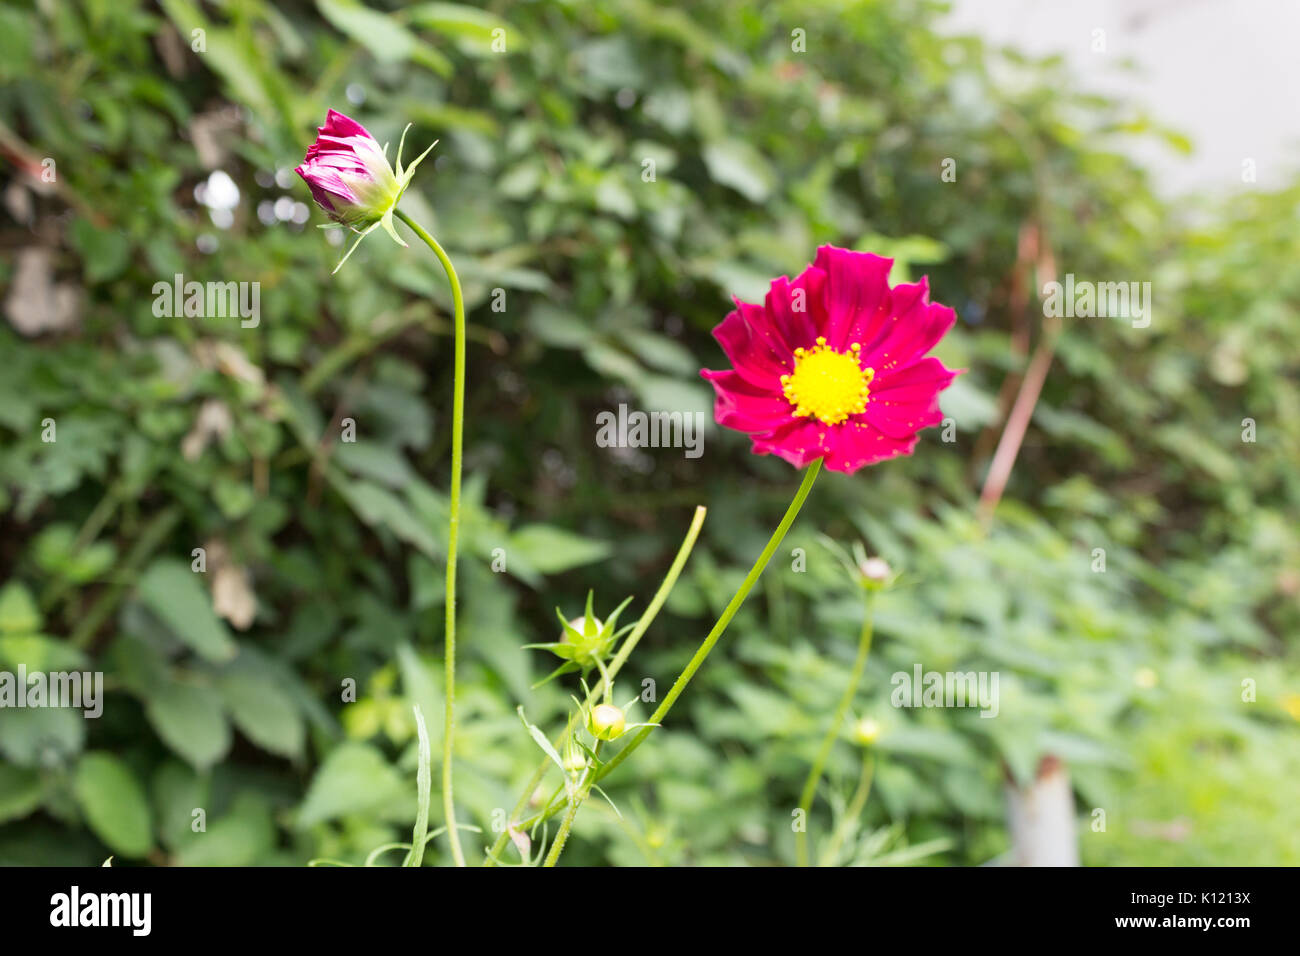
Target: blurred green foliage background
point(225, 690)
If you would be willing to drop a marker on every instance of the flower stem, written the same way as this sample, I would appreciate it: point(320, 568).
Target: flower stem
point(453, 533)
point(837, 723)
point(728, 613)
point(624, 652)
point(684, 678)
point(575, 801)
point(852, 811)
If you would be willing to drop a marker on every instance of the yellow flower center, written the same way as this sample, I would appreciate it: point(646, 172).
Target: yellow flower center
point(826, 384)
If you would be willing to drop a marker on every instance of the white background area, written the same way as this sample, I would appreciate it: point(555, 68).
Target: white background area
point(1226, 73)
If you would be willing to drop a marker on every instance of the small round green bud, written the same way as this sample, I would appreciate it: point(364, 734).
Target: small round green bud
point(875, 572)
point(866, 732)
point(606, 722)
point(575, 761)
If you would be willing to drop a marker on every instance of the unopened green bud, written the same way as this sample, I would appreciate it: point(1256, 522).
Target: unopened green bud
point(866, 732)
point(575, 761)
point(579, 625)
point(606, 722)
point(876, 572)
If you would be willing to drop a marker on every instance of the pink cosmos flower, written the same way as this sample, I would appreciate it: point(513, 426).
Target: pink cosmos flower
point(349, 176)
point(348, 173)
point(833, 364)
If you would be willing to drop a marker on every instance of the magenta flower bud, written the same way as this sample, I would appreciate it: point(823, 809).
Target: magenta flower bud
point(350, 177)
point(348, 173)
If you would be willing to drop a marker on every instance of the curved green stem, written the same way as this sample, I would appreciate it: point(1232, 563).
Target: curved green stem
point(615, 665)
point(728, 613)
point(453, 533)
point(837, 722)
point(851, 812)
point(684, 678)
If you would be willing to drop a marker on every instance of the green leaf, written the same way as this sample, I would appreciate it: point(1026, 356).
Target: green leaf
point(18, 612)
point(114, 803)
point(53, 550)
point(240, 838)
point(612, 362)
point(968, 405)
point(423, 785)
point(173, 592)
point(104, 252)
point(39, 653)
point(263, 712)
point(550, 550)
point(613, 196)
point(41, 736)
point(377, 506)
point(906, 251)
point(420, 687)
point(136, 663)
point(471, 28)
point(558, 327)
point(385, 39)
point(229, 55)
point(20, 792)
point(177, 791)
point(541, 740)
point(380, 463)
point(736, 164)
point(354, 779)
point(17, 43)
point(660, 351)
point(190, 720)
point(662, 394)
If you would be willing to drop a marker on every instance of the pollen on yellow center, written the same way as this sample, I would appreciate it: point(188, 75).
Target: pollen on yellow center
point(826, 384)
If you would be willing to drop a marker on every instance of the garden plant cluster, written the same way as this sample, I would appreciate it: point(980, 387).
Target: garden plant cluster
point(261, 527)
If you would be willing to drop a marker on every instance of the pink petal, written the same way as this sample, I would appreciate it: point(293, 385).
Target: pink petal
point(916, 383)
point(336, 124)
point(899, 420)
point(755, 358)
point(856, 444)
point(871, 331)
point(911, 334)
point(796, 308)
point(326, 180)
point(846, 448)
point(743, 406)
point(763, 330)
point(857, 289)
point(905, 401)
point(800, 442)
